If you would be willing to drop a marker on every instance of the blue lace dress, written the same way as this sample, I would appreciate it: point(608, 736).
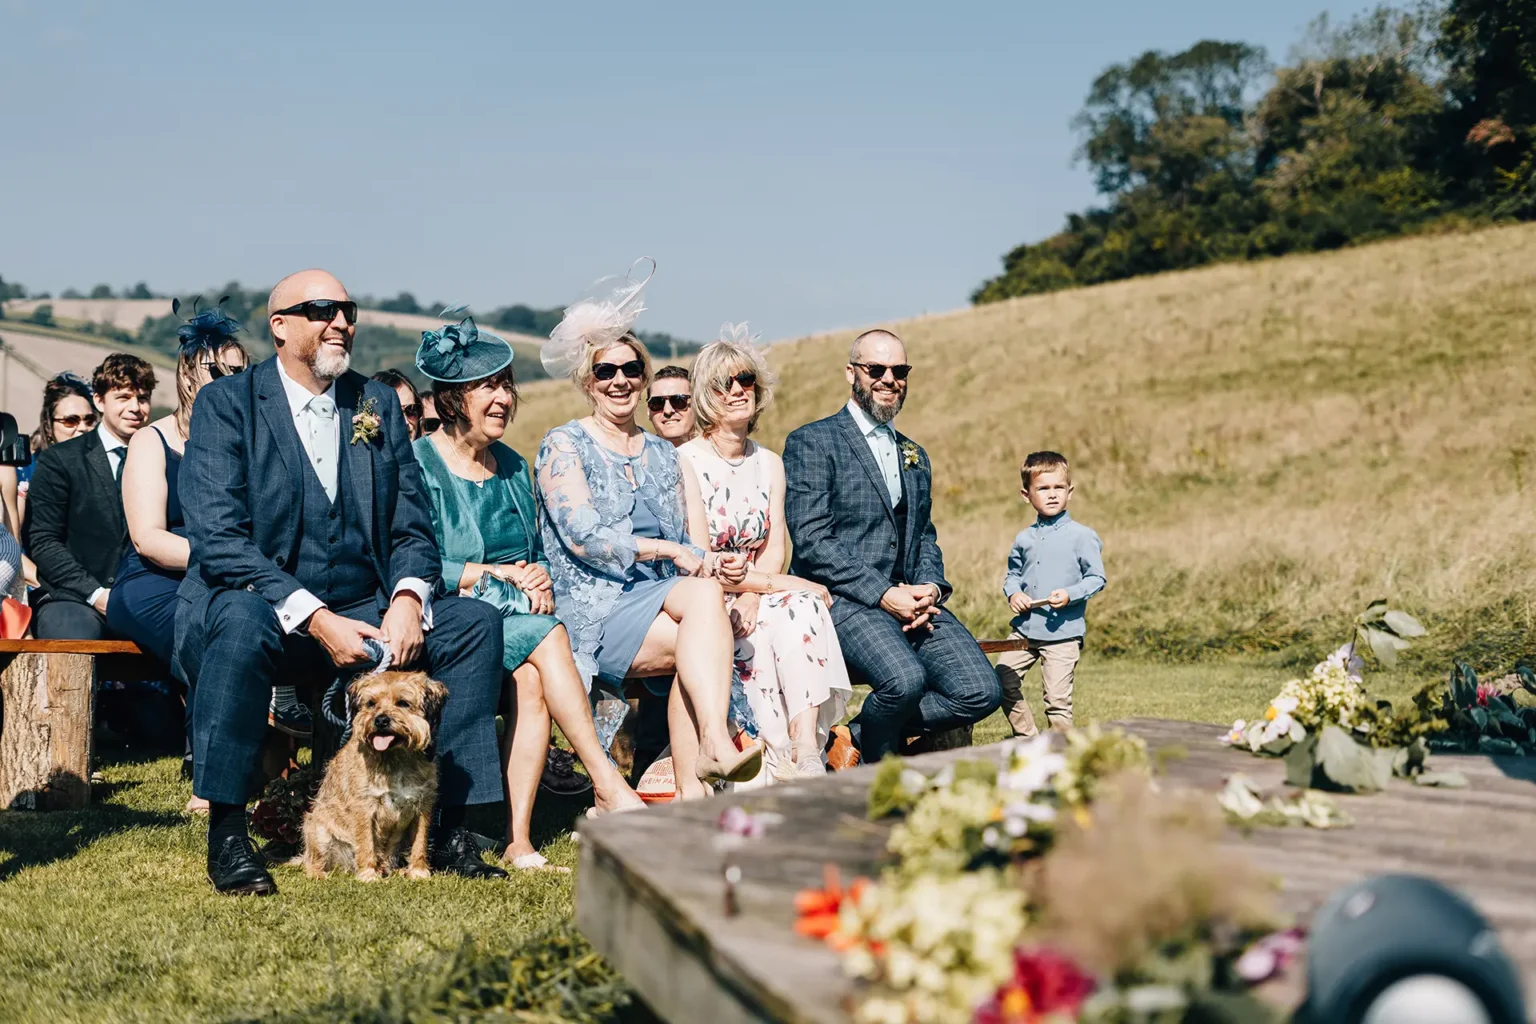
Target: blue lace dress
point(594, 503)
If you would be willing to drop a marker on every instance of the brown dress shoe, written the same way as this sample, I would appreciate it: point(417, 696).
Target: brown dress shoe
point(841, 753)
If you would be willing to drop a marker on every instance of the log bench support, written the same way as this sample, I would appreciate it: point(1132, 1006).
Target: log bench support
point(45, 743)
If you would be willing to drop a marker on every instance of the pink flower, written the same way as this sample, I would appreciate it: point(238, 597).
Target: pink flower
point(1484, 692)
point(1044, 983)
point(1270, 955)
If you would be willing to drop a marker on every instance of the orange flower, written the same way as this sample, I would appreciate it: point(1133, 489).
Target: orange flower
point(818, 910)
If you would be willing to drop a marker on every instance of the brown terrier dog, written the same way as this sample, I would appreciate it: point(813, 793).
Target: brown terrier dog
point(382, 785)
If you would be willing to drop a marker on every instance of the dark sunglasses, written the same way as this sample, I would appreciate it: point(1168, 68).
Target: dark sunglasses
point(322, 310)
point(430, 424)
point(877, 370)
point(679, 403)
point(411, 411)
point(634, 370)
point(72, 422)
point(215, 371)
point(746, 378)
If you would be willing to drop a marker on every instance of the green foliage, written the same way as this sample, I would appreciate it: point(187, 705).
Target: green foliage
point(11, 291)
point(42, 316)
point(554, 976)
point(1384, 125)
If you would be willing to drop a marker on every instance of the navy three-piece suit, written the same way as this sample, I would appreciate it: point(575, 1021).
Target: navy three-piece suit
point(850, 537)
point(262, 527)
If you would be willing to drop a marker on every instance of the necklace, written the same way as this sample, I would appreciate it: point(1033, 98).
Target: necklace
point(472, 470)
point(728, 459)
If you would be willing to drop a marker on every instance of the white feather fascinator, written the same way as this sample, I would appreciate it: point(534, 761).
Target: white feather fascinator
point(737, 334)
point(600, 316)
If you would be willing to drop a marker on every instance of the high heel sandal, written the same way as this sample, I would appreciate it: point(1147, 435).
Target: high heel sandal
point(744, 766)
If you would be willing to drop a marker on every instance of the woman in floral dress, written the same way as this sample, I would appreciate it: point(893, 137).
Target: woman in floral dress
point(787, 654)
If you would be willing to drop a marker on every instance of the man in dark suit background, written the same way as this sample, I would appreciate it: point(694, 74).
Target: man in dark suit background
point(310, 533)
point(858, 504)
point(74, 529)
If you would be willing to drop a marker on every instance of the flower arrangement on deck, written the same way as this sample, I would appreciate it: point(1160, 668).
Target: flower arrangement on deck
point(1048, 886)
point(1332, 734)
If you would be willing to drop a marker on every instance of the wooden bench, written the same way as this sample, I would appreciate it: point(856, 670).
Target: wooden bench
point(47, 689)
point(46, 692)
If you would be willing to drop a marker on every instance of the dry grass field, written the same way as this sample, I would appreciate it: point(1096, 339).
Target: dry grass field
point(1263, 447)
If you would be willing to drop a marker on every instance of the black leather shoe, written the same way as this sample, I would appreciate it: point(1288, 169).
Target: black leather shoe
point(235, 869)
point(186, 769)
point(457, 853)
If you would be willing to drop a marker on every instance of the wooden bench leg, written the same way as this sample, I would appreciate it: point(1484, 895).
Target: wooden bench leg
point(45, 744)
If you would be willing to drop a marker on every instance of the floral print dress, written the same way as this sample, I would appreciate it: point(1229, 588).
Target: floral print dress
point(791, 660)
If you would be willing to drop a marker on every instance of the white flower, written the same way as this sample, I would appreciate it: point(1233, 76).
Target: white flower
point(1030, 765)
point(1235, 734)
point(1284, 705)
point(1344, 659)
point(990, 837)
point(913, 782)
point(1241, 797)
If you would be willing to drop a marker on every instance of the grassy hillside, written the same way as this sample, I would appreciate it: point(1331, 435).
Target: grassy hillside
point(1263, 447)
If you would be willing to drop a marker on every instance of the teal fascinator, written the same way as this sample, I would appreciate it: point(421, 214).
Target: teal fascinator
point(460, 352)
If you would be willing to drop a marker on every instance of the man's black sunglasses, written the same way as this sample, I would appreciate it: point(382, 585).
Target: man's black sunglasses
point(634, 370)
point(877, 370)
point(430, 424)
point(679, 403)
point(412, 411)
point(215, 371)
point(746, 378)
point(322, 310)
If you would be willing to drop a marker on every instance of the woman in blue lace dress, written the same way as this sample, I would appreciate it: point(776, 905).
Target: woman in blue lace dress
point(483, 514)
point(639, 599)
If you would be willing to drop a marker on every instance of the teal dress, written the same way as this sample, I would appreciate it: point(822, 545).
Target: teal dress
point(492, 523)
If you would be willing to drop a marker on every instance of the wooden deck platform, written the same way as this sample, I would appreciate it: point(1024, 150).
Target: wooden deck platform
point(650, 893)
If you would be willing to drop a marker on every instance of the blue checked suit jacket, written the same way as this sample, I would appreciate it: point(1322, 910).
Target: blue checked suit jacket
point(241, 485)
point(841, 520)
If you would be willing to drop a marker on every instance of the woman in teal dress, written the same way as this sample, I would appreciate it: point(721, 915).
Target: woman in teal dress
point(484, 515)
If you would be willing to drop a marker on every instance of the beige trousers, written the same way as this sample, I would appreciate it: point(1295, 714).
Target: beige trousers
point(1058, 660)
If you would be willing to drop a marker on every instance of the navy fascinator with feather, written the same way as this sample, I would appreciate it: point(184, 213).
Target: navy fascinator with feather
point(210, 329)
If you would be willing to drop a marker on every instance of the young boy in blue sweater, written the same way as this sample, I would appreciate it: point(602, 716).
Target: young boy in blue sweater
point(1055, 566)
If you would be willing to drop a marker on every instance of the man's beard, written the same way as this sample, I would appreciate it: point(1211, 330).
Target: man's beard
point(327, 366)
point(865, 396)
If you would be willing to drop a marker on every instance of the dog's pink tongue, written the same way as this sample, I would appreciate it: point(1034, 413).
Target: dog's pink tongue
point(382, 743)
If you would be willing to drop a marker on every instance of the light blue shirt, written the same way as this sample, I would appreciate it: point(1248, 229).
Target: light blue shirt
point(881, 438)
point(1055, 554)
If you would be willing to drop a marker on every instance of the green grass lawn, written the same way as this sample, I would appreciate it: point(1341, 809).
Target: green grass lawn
point(105, 914)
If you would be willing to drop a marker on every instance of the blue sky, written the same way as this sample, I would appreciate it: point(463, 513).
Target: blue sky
point(803, 166)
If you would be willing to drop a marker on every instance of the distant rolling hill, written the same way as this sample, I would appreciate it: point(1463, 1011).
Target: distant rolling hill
point(130, 314)
point(21, 390)
point(1263, 447)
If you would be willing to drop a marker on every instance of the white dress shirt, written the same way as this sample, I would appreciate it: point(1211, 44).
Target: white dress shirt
point(881, 438)
point(117, 450)
point(320, 435)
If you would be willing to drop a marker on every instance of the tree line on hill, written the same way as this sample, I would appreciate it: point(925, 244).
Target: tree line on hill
point(1397, 121)
point(376, 346)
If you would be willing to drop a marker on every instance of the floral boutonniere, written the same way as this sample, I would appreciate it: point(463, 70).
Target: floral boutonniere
point(911, 455)
point(366, 422)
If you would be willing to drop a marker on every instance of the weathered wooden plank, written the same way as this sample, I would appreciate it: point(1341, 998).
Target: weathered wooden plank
point(69, 647)
point(45, 742)
point(650, 894)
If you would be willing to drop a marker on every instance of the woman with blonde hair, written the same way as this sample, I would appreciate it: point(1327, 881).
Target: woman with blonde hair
point(787, 653)
point(639, 599)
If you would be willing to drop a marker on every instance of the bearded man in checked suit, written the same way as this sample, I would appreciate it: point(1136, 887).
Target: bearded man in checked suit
point(858, 504)
point(310, 533)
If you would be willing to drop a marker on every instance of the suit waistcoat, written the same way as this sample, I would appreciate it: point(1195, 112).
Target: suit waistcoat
point(899, 513)
point(334, 562)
